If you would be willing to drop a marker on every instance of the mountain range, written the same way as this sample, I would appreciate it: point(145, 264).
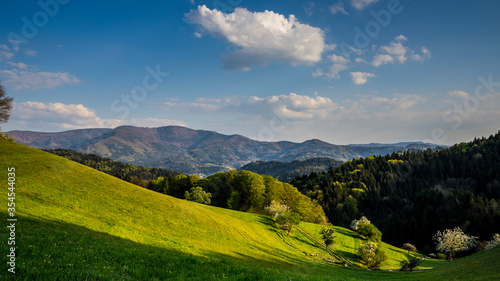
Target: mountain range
point(197, 151)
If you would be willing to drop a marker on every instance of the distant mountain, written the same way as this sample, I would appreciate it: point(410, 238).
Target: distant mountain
point(286, 171)
point(194, 151)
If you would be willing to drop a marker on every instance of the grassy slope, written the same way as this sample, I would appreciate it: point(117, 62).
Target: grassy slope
point(78, 223)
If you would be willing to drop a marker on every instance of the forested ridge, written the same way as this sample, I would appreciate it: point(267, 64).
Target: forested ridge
point(138, 175)
point(286, 171)
point(411, 195)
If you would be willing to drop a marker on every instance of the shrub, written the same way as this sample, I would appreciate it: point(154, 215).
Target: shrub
point(495, 241)
point(441, 256)
point(355, 223)
point(370, 232)
point(372, 255)
point(410, 265)
point(409, 247)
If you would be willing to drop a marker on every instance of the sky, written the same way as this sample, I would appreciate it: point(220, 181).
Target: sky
point(343, 71)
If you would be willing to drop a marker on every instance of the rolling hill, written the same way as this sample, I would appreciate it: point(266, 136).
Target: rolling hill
point(195, 151)
point(75, 223)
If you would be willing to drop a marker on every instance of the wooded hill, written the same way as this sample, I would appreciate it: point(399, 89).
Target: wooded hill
point(286, 171)
point(409, 196)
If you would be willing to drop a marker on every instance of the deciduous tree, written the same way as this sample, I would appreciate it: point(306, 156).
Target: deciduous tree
point(451, 241)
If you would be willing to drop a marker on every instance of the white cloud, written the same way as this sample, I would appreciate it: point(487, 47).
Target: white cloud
point(18, 65)
point(361, 4)
point(360, 78)
point(260, 37)
point(335, 69)
point(397, 52)
point(400, 37)
point(56, 116)
point(25, 79)
point(337, 59)
point(397, 102)
point(382, 59)
point(460, 94)
point(292, 106)
point(5, 55)
point(338, 8)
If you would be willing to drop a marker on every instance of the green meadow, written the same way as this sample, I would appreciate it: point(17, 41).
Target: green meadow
point(75, 223)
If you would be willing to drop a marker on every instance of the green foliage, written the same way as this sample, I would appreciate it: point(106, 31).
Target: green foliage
point(369, 232)
point(415, 192)
point(196, 194)
point(327, 235)
point(372, 255)
point(410, 265)
point(139, 175)
point(441, 256)
point(355, 223)
point(79, 224)
point(5, 105)
point(288, 220)
point(286, 171)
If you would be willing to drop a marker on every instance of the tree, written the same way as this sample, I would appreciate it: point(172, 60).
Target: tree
point(288, 220)
point(451, 241)
point(5, 105)
point(355, 223)
point(372, 255)
point(409, 247)
point(328, 237)
point(370, 232)
point(276, 209)
point(495, 241)
point(196, 194)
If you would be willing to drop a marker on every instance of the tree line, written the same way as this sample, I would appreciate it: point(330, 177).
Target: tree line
point(412, 195)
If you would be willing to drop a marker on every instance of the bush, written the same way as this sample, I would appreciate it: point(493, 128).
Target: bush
point(355, 223)
point(410, 265)
point(196, 194)
point(370, 232)
point(495, 241)
point(372, 255)
point(441, 256)
point(409, 247)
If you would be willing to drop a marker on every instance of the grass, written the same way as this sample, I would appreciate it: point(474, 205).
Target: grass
point(76, 223)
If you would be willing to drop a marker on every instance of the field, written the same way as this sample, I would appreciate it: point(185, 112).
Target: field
point(75, 223)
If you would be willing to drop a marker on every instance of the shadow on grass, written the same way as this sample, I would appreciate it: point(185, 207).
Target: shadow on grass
point(52, 250)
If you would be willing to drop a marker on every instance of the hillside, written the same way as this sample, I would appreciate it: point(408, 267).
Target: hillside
point(194, 151)
point(419, 192)
point(286, 171)
point(78, 223)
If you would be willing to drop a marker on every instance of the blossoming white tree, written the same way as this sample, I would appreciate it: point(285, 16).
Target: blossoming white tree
point(451, 241)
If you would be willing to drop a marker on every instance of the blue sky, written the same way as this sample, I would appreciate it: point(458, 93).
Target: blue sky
point(351, 71)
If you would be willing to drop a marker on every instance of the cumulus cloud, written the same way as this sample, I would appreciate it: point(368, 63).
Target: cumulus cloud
point(361, 4)
point(18, 79)
point(292, 106)
point(56, 116)
point(360, 78)
point(338, 8)
point(397, 52)
point(260, 37)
